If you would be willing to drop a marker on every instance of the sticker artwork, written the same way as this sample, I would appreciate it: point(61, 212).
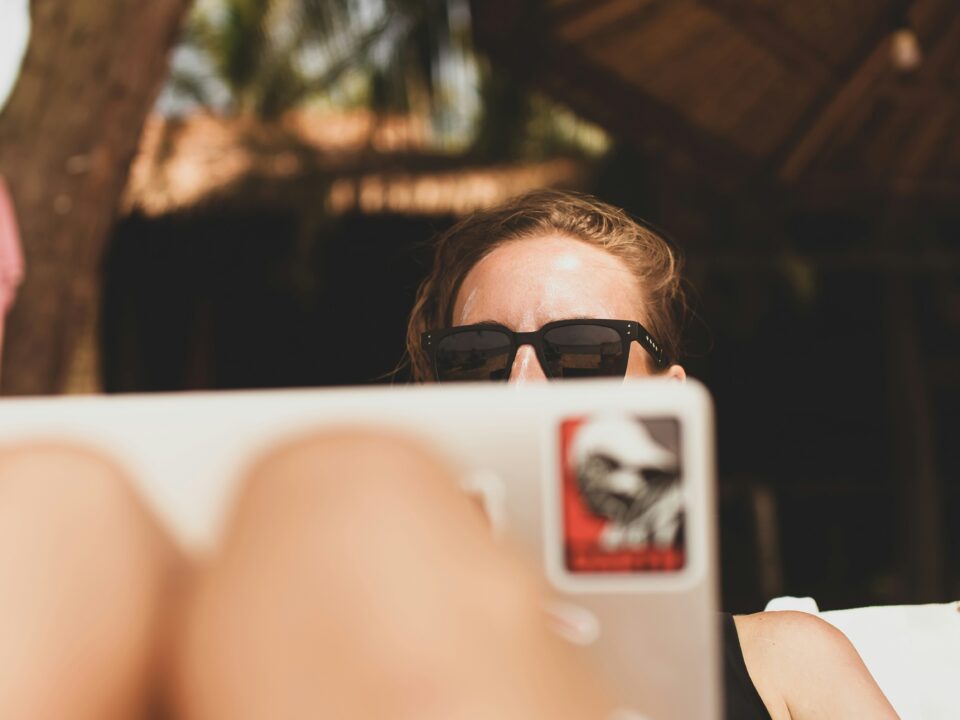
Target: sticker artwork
point(622, 495)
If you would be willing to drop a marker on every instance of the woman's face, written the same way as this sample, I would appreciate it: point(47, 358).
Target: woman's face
point(524, 284)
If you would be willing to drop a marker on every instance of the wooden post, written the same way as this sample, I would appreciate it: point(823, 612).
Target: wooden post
point(919, 484)
point(90, 76)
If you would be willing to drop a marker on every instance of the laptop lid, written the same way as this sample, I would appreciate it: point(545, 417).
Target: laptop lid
point(607, 487)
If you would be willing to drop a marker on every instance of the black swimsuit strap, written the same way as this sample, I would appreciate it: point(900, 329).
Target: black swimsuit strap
point(741, 699)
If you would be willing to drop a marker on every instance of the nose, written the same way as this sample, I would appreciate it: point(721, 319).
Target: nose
point(526, 368)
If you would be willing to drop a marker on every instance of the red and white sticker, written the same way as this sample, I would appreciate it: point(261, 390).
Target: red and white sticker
point(622, 501)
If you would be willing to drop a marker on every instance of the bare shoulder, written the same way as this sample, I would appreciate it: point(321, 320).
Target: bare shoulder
point(803, 633)
point(804, 667)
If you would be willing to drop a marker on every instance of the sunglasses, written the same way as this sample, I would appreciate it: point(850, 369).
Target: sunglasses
point(565, 349)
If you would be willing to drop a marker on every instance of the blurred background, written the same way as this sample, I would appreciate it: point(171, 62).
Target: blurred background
point(241, 193)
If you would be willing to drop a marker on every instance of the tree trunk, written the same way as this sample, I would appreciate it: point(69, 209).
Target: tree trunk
point(90, 76)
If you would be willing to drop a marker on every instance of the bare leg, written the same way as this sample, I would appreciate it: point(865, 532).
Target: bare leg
point(357, 582)
point(82, 573)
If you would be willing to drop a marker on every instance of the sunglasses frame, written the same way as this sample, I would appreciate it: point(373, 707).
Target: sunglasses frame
point(629, 331)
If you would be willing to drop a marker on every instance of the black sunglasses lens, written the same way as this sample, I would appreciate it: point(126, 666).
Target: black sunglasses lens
point(474, 355)
point(583, 350)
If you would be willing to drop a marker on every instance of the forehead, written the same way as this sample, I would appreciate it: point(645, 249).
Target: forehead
point(528, 282)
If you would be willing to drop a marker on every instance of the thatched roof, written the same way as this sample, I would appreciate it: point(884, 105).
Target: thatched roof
point(822, 95)
point(336, 161)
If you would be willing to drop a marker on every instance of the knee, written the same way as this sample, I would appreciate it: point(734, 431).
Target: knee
point(355, 504)
point(82, 566)
point(360, 540)
point(70, 518)
point(342, 481)
point(43, 471)
point(70, 499)
point(333, 460)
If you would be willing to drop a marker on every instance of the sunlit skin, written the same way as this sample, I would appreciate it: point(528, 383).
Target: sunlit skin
point(524, 284)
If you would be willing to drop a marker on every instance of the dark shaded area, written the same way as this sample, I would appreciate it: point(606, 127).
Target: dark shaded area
point(808, 422)
point(244, 300)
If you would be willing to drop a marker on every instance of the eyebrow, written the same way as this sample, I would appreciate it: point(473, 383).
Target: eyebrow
point(488, 322)
point(566, 317)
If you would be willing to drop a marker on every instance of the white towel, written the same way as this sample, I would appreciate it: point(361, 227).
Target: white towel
point(913, 652)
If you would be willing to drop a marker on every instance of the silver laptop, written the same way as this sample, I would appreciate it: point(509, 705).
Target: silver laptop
point(607, 486)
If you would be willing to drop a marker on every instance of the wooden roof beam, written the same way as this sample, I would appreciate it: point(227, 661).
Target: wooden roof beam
point(826, 192)
point(773, 38)
point(536, 58)
point(847, 96)
point(829, 120)
point(939, 46)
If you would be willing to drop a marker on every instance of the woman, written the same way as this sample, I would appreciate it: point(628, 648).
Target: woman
point(524, 292)
point(304, 612)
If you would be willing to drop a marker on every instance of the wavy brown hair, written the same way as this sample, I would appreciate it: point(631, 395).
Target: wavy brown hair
point(653, 261)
